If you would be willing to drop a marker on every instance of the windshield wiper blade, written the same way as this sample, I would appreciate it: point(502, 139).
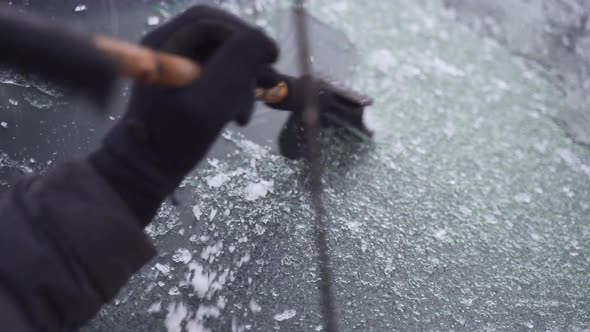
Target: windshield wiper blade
point(311, 120)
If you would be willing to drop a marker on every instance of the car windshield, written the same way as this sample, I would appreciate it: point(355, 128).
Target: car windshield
point(468, 210)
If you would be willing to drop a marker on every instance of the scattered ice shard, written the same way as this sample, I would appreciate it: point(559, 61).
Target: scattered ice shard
point(80, 8)
point(200, 279)
point(197, 212)
point(155, 307)
point(182, 256)
point(177, 312)
point(164, 268)
point(174, 291)
point(217, 180)
point(254, 306)
point(38, 100)
point(256, 190)
point(153, 20)
point(287, 314)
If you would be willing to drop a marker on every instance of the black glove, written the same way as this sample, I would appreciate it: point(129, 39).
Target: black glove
point(166, 132)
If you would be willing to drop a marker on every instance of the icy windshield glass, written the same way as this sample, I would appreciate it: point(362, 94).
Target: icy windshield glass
point(467, 211)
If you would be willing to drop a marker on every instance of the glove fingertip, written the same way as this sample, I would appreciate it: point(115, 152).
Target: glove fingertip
point(262, 48)
point(244, 117)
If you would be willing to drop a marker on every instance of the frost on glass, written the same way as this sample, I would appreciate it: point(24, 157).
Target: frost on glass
point(37, 92)
point(554, 34)
point(468, 211)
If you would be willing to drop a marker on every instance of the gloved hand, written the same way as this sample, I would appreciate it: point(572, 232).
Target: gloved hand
point(165, 131)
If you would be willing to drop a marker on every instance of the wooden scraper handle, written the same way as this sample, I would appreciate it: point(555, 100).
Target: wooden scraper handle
point(166, 69)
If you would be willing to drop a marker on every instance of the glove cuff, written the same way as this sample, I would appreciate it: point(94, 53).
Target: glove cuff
point(133, 172)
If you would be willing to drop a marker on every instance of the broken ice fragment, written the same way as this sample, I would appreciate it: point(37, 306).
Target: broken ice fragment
point(287, 314)
point(182, 256)
point(254, 191)
point(13, 102)
point(155, 307)
point(174, 291)
point(153, 20)
point(164, 268)
point(255, 307)
point(177, 312)
point(4, 124)
point(212, 250)
point(212, 214)
point(200, 280)
point(244, 259)
point(80, 8)
point(197, 212)
point(221, 302)
point(217, 180)
point(38, 100)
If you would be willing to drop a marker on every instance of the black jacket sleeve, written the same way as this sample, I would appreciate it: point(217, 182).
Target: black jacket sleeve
point(67, 245)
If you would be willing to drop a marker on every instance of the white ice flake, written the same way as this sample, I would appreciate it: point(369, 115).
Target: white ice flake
point(287, 314)
point(218, 180)
point(177, 312)
point(254, 306)
point(80, 8)
point(164, 268)
point(212, 251)
point(197, 211)
point(155, 307)
point(244, 259)
point(256, 190)
point(201, 280)
point(212, 214)
point(174, 291)
point(182, 256)
point(153, 20)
